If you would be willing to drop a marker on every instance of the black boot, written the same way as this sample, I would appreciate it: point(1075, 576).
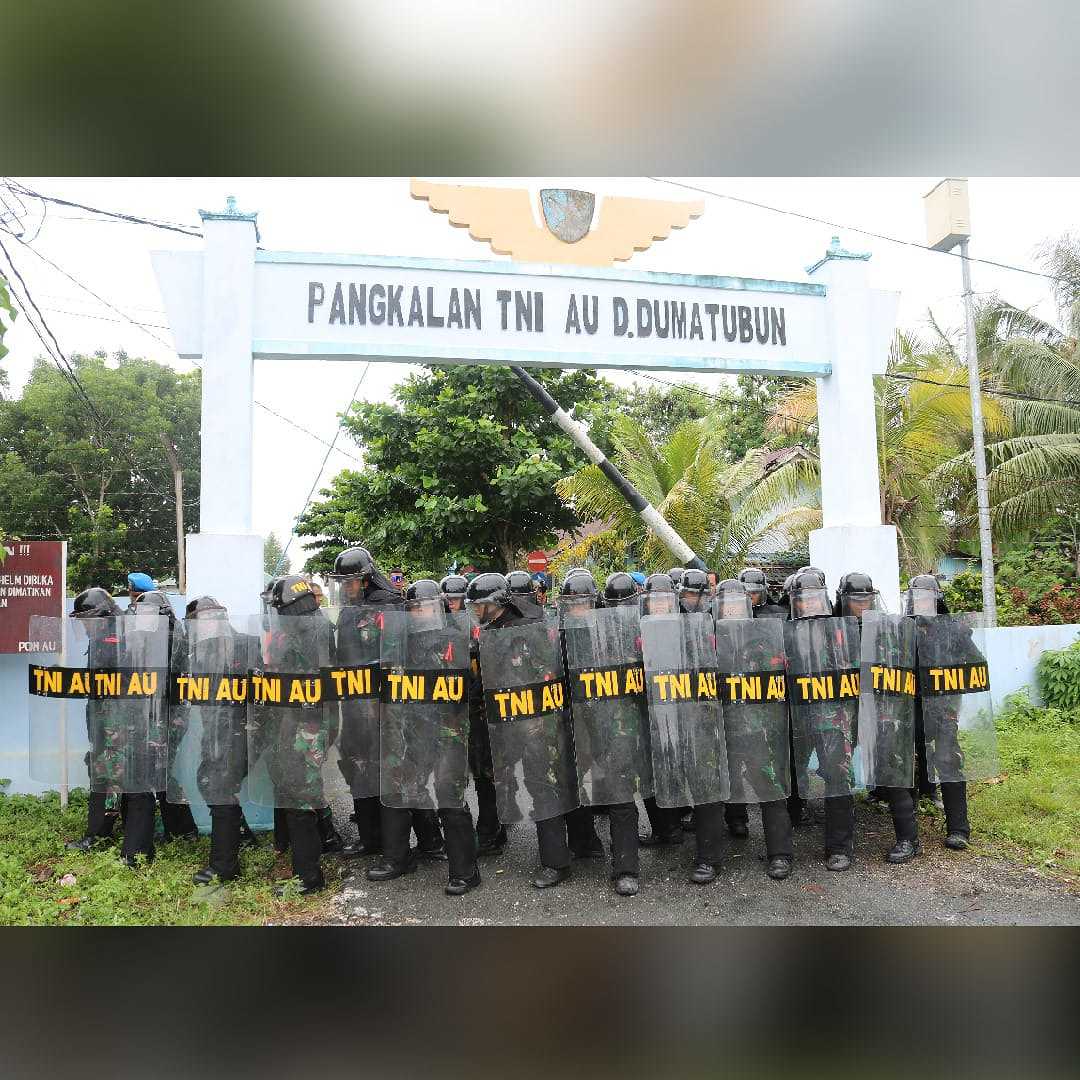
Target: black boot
point(550, 875)
point(460, 886)
point(838, 862)
point(626, 885)
point(703, 873)
point(779, 867)
point(386, 869)
point(956, 841)
point(493, 844)
point(903, 851)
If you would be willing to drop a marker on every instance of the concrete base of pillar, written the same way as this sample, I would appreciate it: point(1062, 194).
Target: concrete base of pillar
point(230, 568)
point(871, 548)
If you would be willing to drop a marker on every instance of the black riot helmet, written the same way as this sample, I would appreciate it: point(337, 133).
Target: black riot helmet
point(453, 588)
point(692, 588)
point(809, 597)
point(856, 595)
point(733, 600)
point(354, 562)
point(659, 597)
point(205, 607)
point(157, 600)
point(676, 574)
point(292, 595)
point(757, 585)
point(486, 593)
point(811, 569)
point(923, 596)
point(577, 594)
point(619, 588)
point(520, 583)
point(423, 589)
point(94, 603)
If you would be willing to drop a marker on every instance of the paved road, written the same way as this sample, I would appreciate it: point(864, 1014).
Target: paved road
point(940, 888)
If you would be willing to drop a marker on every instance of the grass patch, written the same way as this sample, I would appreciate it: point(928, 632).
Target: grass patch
point(1034, 809)
point(36, 887)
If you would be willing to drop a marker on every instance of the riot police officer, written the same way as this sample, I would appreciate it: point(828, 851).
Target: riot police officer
point(453, 588)
point(212, 647)
point(176, 820)
point(492, 608)
point(658, 591)
point(757, 585)
point(757, 732)
point(299, 640)
point(102, 617)
point(826, 727)
point(692, 589)
point(924, 598)
point(424, 748)
point(521, 586)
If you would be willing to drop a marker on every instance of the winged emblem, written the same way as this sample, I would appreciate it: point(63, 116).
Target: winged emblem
point(503, 218)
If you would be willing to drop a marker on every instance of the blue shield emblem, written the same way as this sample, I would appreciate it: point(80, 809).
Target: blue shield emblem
point(568, 213)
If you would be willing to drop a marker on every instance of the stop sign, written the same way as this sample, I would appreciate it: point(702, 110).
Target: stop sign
point(536, 561)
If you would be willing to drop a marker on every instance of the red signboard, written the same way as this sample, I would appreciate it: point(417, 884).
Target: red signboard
point(536, 561)
point(31, 583)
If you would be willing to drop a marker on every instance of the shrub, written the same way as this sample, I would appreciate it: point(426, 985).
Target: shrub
point(1058, 675)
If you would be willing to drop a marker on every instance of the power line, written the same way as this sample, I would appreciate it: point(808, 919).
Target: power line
point(16, 188)
point(318, 476)
point(318, 438)
point(863, 232)
point(1015, 394)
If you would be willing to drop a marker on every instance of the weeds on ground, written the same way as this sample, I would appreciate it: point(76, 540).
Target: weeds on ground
point(42, 884)
point(1035, 803)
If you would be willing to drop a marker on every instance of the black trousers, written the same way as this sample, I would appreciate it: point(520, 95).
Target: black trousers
point(709, 832)
point(551, 840)
point(625, 848)
point(99, 822)
point(581, 831)
point(368, 827)
point(736, 813)
point(663, 821)
point(457, 828)
point(902, 804)
point(138, 814)
point(305, 842)
point(226, 822)
point(776, 824)
point(176, 818)
point(840, 825)
point(487, 811)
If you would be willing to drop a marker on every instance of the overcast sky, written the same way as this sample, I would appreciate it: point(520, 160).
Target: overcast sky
point(1011, 220)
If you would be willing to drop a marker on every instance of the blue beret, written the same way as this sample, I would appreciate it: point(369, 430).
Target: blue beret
point(638, 577)
point(141, 582)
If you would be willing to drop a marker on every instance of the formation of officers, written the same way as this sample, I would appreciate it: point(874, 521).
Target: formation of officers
point(695, 700)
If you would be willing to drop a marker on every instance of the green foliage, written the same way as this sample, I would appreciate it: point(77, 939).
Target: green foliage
point(461, 466)
point(272, 552)
point(1058, 674)
point(7, 314)
point(662, 411)
point(1033, 586)
point(1036, 804)
point(33, 862)
point(108, 491)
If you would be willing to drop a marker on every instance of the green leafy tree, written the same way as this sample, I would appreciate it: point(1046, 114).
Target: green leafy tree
point(461, 466)
point(105, 487)
point(272, 552)
point(7, 315)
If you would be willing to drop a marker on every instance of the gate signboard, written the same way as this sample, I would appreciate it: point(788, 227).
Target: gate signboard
point(31, 583)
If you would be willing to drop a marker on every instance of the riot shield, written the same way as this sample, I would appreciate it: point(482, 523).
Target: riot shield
point(752, 684)
point(823, 697)
point(528, 722)
point(686, 724)
point(885, 752)
point(425, 711)
point(208, 750)
point(116, 677)
point(293, 710)
point(606, 684)
point(359, 635)
point(58, 743)
point(954, 693)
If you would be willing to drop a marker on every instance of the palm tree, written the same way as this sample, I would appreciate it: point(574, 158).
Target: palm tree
point(719, 508)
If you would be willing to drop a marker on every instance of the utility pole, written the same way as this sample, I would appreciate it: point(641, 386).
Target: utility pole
point(648, 513)
point(948, 223)
point(178, 488)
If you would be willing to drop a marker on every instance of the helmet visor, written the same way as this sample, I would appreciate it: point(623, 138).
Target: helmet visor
point(857, 604)
point(732, 605)
point(426, 614)
point(810, 603)
point(920, 602)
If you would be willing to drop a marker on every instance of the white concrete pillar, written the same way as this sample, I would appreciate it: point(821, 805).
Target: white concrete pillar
point(225, 556)
point(861, 322)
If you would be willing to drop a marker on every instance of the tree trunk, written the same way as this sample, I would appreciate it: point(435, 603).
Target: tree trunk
point(178, 486)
